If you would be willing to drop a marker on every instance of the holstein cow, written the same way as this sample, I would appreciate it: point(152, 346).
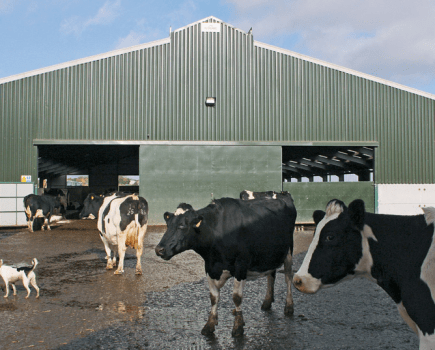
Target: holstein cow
point(240, 239)
point(248, 195)
point(122, 222)
point(91, 206)
point(41, 207)
point(396, 252)
point(284, 195)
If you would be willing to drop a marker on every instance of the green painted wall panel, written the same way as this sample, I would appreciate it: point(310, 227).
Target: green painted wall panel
point(310, 196)
point(263, 94)
point(170, 175)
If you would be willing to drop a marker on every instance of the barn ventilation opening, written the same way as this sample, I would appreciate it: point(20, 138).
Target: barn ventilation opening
point(327, 164)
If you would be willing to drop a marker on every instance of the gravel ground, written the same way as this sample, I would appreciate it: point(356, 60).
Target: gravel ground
point(83, 306)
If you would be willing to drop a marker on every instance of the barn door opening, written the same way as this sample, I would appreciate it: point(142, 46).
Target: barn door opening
point(81, 169)
point(316, 174)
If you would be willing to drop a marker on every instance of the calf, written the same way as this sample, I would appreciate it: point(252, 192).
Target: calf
point(14, 274)
point(41, 207)
point(396, 252)
point(122, 222)
point(240, 239)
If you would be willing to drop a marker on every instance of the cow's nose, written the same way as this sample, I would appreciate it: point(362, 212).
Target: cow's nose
point(297, 281)
point(160, 250)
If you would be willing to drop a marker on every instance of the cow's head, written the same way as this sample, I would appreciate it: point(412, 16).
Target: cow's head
point(91, 206)
point(182, 230)
point(336, 249)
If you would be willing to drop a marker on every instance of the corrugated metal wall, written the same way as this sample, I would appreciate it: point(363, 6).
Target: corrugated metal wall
point(158, 93)
point(171, 174)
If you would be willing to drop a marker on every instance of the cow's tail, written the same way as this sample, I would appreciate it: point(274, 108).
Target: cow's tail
point(136, 219)
point(34, 263)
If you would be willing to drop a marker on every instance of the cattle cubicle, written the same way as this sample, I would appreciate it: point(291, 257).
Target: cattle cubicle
point(11, 203)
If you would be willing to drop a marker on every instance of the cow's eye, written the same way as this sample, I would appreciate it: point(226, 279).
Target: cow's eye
point(329, 238)
point(181, 227)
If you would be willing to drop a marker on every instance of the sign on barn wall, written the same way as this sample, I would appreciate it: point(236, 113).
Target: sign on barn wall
point(211, 27)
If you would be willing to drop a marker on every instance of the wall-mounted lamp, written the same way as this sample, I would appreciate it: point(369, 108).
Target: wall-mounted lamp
point(210, 101)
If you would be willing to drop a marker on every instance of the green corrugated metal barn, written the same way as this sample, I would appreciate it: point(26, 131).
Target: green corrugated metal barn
point(209, 112)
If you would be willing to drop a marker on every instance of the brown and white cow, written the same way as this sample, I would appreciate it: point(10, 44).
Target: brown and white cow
point(122, 222)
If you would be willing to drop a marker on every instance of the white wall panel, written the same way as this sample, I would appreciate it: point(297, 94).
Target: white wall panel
point(405, 199)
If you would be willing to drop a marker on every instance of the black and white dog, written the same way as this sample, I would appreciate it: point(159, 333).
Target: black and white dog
point(13, 274)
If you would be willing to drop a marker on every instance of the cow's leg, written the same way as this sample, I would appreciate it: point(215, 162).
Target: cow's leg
point(121, 252)
point(288, 272)
point(28, 212)
point(47, 221)
point(269, 299)
point(109, 265)
point(237, 298)
point(215, 287)
point(139, 250)
point(30, 221)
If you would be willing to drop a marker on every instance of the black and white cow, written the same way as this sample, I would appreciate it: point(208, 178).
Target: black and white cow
point(236, 238)
point(61, 194)
point(122, 222)
point(41, 207)
point(91, 206)
point(396, 252)
point(248, 195)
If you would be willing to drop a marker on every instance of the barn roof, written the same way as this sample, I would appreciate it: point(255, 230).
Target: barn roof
point(217, 20)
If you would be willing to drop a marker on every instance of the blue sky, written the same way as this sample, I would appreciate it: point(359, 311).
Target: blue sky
point(391, 39)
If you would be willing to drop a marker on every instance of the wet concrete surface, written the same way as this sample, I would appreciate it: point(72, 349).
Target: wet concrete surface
point(84, 306)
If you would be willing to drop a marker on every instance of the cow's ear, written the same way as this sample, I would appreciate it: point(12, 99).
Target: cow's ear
point(197, 221)
point(167, 216)
point(318, 215)
point(357, 213)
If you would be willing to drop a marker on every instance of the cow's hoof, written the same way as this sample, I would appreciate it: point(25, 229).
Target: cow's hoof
point(138, 272)
point(289, 310)
point(237, 331)
point(208, 330)
point(109, 267)
point(118, 272)
point(238, 325)
point(267, 305)
point(210, 325)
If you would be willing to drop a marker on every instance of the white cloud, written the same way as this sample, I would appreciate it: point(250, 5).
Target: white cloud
point(184, 14)
point(6, 6)
point(394, 39)
point(133, 38)
point(105, 15)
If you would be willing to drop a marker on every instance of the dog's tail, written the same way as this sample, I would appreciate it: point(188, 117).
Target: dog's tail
point(34, 263)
